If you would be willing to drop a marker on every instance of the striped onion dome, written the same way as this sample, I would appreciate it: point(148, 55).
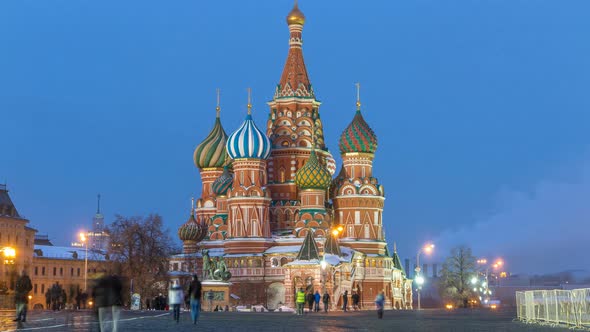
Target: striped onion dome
point(222, 184)
point(211, 152)
point(358, 136)
point(192, 230)
point(313, 175)
point(248, 142)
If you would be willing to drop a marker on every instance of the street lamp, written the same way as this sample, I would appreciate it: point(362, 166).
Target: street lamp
point(85, 241)
point(9, 255)
point(427, 249)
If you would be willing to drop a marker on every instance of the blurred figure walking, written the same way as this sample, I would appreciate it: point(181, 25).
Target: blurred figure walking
point(194, 292)
point(175, 298)
point(21, 296)
point(380, 303)
point(108, 300)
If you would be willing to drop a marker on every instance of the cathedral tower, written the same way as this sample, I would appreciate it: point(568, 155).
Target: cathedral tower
point(294, 118)
point(248, 199)
point(210, 157)
point(357, 195)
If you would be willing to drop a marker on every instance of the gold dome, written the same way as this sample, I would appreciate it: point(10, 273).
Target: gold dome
point(295, 16)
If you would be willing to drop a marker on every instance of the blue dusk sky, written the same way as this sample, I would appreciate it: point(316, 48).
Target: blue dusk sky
point(481, 110)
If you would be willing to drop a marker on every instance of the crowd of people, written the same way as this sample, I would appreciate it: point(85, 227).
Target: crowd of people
point(313, 301)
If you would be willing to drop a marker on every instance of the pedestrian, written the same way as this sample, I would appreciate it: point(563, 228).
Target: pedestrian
point(147, 304)
point(108, 300)
point(326, 300)
point(48, 299)
point(300, 301)
point(175, 298)
point(317, 297)
point(355, 301)
point(380, 302)
point(21, 296)
point(345, 301)
point(55, 296)
point(310, 301)
point(194, 292)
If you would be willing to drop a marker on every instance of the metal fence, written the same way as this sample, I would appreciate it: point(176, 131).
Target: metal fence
point(555, 307)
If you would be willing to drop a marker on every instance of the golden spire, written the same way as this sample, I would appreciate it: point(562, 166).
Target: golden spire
point(295, 16)
point(249, 101)
point(218, 108)
point(358, 96)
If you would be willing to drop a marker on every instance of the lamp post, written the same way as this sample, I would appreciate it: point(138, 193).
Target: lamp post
point(427, 249)
point(85, 241)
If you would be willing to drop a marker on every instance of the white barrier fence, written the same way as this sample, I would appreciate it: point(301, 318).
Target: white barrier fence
point(568, 307)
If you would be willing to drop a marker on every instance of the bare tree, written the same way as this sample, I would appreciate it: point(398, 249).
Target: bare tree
point(456, 274)
point(140, 249)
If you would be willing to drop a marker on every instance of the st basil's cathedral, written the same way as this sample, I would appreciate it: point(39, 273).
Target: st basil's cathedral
point(272, 211)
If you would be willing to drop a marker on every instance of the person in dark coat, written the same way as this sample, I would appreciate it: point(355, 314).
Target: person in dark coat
point(326, 300)
point(48, 299)
point(21, 296)
point(107, 297)
point(194, 292)
point(345, 301)
point(56, 296)
point(355, 301)
point(310, 300)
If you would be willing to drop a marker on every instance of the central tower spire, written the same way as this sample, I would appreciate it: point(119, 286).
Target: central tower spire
point(294, 80)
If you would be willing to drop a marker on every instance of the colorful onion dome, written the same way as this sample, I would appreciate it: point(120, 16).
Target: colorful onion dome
point(358, 136)
point(192, 230)
point(330, 163)
point(248, 141)
point(313, 175)
point(295, 16)
point(211, 152)
point(222, 184)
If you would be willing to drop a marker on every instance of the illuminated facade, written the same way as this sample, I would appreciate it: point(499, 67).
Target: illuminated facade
point(270, 204)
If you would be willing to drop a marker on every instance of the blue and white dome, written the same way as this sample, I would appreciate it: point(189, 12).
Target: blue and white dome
point(248, 142)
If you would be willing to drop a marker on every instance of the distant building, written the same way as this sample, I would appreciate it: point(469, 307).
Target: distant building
point(14, 234)
point(44, 263)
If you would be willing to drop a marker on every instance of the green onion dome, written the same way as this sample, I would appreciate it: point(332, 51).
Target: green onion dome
point(358, 136)
point(192, 230)
point(211, 152)
point(222, 184)
point(313, 175)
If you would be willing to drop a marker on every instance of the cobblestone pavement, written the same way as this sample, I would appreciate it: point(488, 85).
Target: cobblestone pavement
point(426, 320)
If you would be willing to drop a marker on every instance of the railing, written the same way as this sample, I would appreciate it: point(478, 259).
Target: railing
point(554, 307)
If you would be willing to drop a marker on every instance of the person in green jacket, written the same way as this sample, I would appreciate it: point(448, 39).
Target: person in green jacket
point(300, 301)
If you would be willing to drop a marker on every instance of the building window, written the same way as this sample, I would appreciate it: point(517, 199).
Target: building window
point(35, 288)
point(55, 271)
point(43, 271)
point(61, 271)
point(72, 272)
point(42, 288)
point(36, 270)
point(78, 272)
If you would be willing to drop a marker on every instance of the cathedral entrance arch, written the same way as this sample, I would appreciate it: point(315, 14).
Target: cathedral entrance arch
point(275, 295)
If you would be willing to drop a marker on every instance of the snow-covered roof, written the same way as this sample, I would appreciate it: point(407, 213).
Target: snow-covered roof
point(283, 249)
point(67, 253)
point(242, 255)
point(303, 262)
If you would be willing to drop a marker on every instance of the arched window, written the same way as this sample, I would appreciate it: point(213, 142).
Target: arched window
point(274, 262)
point(284, 261)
